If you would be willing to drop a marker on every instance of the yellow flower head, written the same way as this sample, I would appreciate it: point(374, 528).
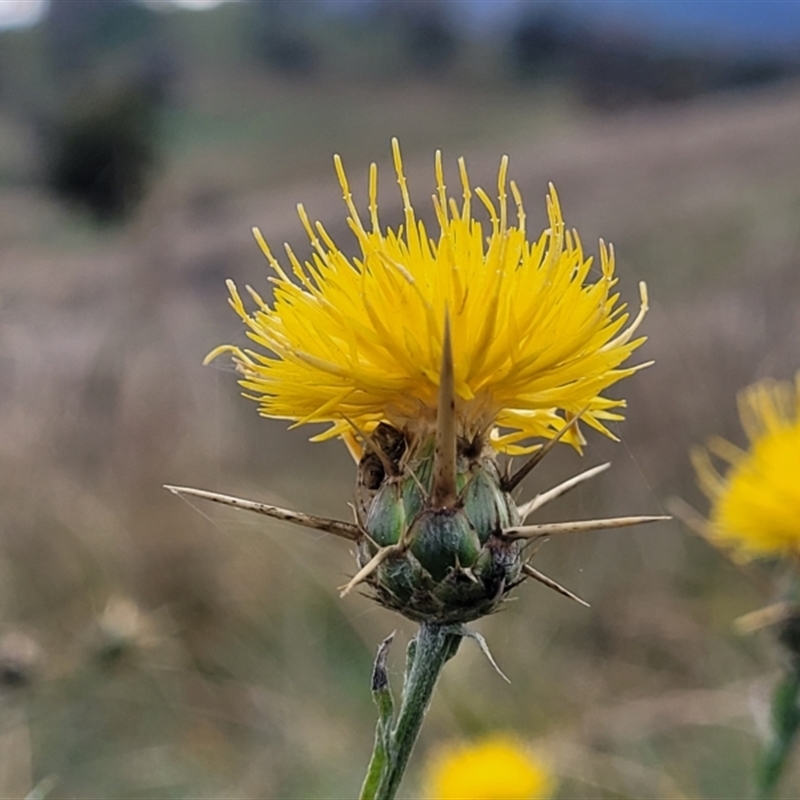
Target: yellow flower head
point(537, 333)
point(755, 508)
point(496, 768)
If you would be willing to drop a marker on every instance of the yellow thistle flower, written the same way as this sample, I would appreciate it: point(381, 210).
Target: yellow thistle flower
point(537, 334)
point(496, 768)
point(428, 356)
point(755, 508)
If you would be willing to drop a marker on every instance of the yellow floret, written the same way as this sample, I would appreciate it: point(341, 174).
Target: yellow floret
point(496, 768)
point(756, 505)
point(538, 334)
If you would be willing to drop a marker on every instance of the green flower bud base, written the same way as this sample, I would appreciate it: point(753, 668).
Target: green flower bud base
point(455, 567)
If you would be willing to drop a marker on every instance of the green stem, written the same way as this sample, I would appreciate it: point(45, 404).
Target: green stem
point(428, 652)
point(785, 724)
point(376, 768)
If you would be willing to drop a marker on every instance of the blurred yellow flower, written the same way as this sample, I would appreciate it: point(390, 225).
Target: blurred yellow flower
point(755, 509)
point(353, 342)
point(495, 768)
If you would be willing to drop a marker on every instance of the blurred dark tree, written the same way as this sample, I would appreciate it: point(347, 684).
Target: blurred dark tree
point(753, 71)
point(613, 71)
point(539, 44)
point(613, 67)
point(428, 41)
point(81, 33)
point(279, 32)
point(103, 149)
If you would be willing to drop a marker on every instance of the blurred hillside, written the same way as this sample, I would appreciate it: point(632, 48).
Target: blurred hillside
point(149, 648)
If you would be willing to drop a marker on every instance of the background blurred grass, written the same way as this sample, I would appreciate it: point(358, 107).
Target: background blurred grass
point(151, 648)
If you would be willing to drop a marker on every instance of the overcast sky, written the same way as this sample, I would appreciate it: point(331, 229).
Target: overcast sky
point(22, 13)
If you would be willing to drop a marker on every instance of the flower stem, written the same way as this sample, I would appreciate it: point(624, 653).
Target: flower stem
point(428, 651)
point(785, 724)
